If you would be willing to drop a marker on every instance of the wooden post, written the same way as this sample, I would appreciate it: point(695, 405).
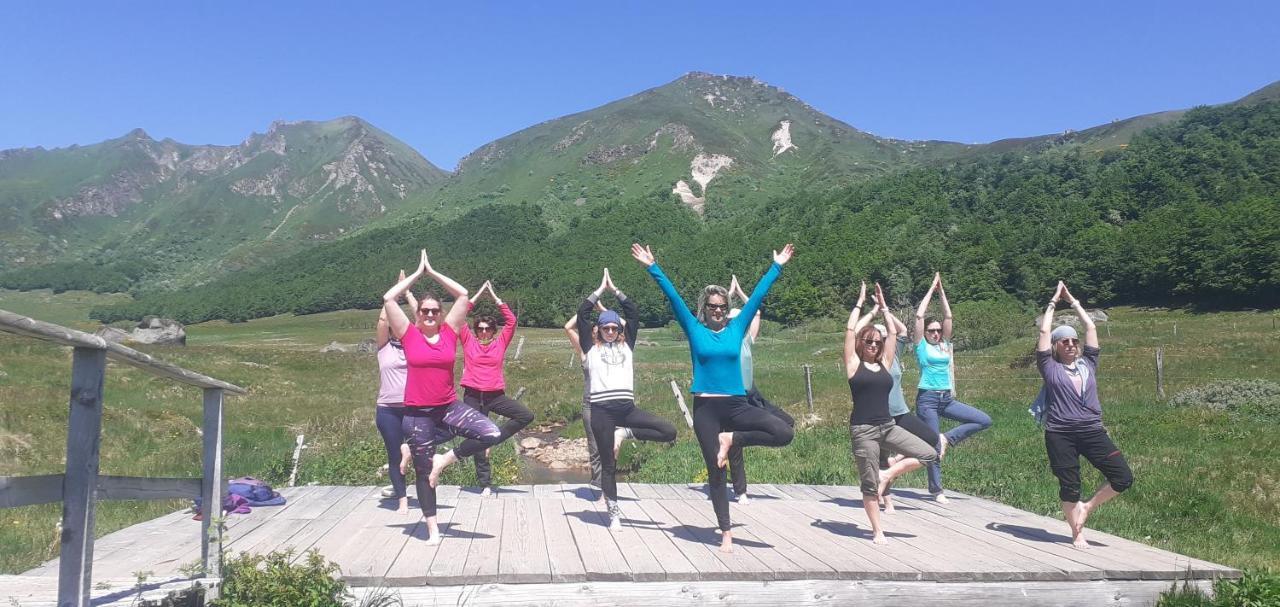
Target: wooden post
point(211, 485)
point(519, 346)
point(519, 393)
point(573, 358)
point(675, 388)
point(1160, 372)
point(808, 386)
point(80, 485)
point(298, 446)
point(1175, 329)
point(1108, 329)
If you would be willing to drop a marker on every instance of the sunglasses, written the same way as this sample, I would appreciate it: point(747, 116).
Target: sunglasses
point(609, 329)
point(933, 330)
point(873, 342)
point(429, 311)
point(484, 329)
point(721, 307)
point(1069, 341)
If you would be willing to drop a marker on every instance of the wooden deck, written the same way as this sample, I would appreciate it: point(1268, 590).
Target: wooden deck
point(552, 541)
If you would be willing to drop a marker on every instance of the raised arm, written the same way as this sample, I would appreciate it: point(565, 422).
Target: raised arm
point(946, 308)
point(735, 290)
point(923, 308)
point(1090, 329)
point(508, 317)
point(684, 317)
point(851, 329)
point(384, 330)
point(1043, 342)
point(571, 329)
point(890, 346)
point(396, 319)
point(480, 293)
point(408, 296)
point(758, 294)
point(585, 337)
point(457, 315)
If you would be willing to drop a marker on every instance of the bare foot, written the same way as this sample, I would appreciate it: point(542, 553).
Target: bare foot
point(438, 464)
point(942, 444)
point(880, 539)
point(726, 541)
point(404, 506)
point(619, 435)
point(433, 540)
point(893, 459)
point(885, 479)
point(406, 458)
point(722, 456)
point(1081, 515)
point(433, 533)
point(887, 501)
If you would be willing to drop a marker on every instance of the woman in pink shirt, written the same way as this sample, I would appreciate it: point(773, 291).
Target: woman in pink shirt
point(483, 387)
point(431, 403)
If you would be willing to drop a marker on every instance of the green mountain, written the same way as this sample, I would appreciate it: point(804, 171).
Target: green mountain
point(188, 212)
point(703, 137)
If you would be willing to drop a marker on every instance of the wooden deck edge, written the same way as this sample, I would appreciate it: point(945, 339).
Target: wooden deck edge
point(801, 592)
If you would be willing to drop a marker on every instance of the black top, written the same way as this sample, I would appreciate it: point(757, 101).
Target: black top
point(870, 391)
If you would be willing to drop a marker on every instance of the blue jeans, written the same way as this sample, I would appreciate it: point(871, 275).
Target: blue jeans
point(931, 406)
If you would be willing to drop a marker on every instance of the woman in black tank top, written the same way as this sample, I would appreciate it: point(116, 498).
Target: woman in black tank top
point(871, 428)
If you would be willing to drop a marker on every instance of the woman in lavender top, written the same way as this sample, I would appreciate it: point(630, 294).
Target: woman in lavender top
point(1073, 415)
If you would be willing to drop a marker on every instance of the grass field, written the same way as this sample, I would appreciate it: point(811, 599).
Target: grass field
point(1208, 482)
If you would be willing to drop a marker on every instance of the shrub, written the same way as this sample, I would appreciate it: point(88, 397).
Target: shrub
point(1253, 397)
point(272, 580)
point(1255, 589)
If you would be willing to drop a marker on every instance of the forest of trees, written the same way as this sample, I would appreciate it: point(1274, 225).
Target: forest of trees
point(1187, 214)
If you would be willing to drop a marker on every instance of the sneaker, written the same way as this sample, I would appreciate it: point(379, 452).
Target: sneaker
point(743, 499)
point(486, 492)
point(615, 517)
point(388, 491)
point(940, 498)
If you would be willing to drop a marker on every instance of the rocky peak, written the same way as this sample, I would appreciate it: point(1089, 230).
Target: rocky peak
point(138, 134)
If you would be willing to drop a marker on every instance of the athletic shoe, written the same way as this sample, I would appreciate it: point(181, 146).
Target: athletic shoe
point(388, 491)
point(743, 499)
point(615, 517)
point(486, 492)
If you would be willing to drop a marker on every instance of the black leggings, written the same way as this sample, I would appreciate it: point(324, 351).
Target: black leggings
point(1065, 449)
point(390, 421)
point(518, 416)
point(605, 418)
point(751, 426)
point(737, 467)
point(423, 426)
point(915, 425)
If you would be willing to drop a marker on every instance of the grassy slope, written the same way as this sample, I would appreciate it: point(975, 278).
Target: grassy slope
point(1206, 483)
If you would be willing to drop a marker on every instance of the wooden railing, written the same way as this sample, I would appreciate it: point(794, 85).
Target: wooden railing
point(81, 486)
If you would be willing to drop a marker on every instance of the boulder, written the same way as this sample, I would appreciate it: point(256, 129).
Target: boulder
point(335, 347)
point(368, 346)
point(155, 330)
point(112, 334)
point(531, 442)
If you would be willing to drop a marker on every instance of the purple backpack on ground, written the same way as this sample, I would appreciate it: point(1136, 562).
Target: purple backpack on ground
point(254, 491)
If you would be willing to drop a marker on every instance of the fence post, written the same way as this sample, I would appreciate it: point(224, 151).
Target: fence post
point(80, 485)
point(519, 393)
point(1175, 329)
point(519, 346)
point(1108, 329)
point(1160, 372)
point(573, 357)
point(675, 388)
point(808, 386)
point(297, 455)
point(211, 485)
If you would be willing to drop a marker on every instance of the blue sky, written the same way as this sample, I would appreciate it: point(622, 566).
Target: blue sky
point(449, 79)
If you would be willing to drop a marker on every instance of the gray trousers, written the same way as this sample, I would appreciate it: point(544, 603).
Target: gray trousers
point(869, 439)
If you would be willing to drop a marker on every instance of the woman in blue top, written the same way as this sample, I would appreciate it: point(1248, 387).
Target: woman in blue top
point(719, 396)
point(935, 398)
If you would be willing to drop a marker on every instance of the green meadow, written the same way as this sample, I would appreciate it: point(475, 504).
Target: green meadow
point(1208, 481)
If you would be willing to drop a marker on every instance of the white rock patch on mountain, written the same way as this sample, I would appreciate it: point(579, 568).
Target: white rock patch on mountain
point(704, 168)
point(782, 138)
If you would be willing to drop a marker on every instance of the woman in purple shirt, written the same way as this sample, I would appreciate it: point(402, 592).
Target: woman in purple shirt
point(1073, 415)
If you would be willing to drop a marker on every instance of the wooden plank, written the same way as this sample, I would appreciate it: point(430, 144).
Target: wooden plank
point(22, 325)
point(160, 550)
point(30, 490)
point(667, 492)
point(657, 541)
point(372, 544)
point(146, 488)
point(745, 540)
point(578, 491)
point(212, 485)
point(510, 491)
point(853, 559)
point(523, 544)
point(703, 562)
point(411, 564)
point(79, 488)
point(485, 551)
point(767, 489)
point(800, 593)
point(601, 556)
point(691, 491)
point(562, 552)
point(790, 546)
point(448, 565)
point(801, 492)
point(627, 492)
point(546, 491)
point(1024, 532)
point(739, 565)
point(643, 565)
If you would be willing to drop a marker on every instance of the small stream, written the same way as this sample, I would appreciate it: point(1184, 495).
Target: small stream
point(537, 472)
